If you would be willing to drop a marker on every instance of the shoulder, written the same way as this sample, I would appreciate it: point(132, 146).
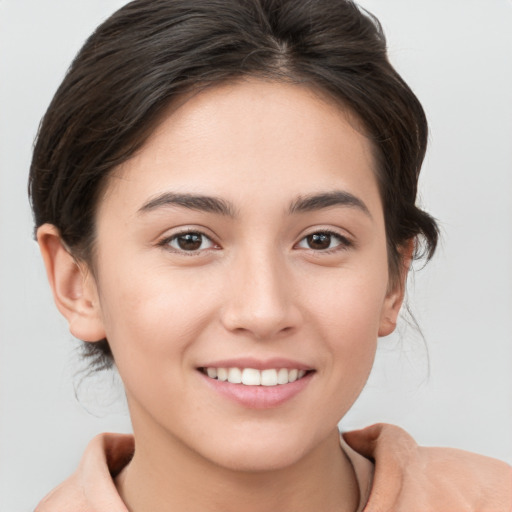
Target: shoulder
point(91, 487)
point(408, 477)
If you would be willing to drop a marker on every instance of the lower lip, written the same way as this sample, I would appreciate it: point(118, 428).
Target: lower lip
point(259, 397)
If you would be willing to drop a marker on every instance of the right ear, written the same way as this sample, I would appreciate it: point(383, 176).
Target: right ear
point(74, 287)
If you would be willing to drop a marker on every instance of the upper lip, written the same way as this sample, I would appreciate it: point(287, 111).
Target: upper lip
point(257, 364)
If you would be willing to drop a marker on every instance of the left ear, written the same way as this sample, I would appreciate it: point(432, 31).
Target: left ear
point(396, 292)
point(73, 286)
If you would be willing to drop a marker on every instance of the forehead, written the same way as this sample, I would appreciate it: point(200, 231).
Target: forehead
point(247, 137)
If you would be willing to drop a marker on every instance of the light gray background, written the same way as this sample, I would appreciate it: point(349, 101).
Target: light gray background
point(457, 56)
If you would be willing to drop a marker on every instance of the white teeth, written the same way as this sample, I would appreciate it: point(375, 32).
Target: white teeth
point(253, 377)
point(234, 376)
point(269, 378)
point(282, 376)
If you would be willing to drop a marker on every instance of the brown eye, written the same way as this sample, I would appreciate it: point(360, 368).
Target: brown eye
point(319, 241)
point(323, 240)
point(191, 241)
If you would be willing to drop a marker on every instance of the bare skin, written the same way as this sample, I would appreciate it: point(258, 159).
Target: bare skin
point(289, 264)
point(407, 477)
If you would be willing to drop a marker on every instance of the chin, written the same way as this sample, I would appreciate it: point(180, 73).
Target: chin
point(257, 460)
point(259, 453)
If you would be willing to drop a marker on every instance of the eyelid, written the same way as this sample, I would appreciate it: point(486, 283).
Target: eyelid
point(346, 242)
point(165, 240)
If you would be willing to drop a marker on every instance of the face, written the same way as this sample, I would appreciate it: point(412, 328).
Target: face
point(244, 241)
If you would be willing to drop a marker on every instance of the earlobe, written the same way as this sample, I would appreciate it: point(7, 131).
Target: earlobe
point(392, 305)
point(73, 286)
point(395, 296)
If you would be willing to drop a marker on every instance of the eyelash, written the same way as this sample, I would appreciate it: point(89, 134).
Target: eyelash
point(166, 242)
point(344, 242)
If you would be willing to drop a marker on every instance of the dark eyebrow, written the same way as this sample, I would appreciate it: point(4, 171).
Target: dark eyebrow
point(325, 200)
point(190, 201)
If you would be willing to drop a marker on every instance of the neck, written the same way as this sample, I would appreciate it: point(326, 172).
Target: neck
point(166, 475)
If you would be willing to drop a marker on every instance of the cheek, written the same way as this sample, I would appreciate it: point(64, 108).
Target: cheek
point(152, 317)
point(347, 314)
point(351, 300)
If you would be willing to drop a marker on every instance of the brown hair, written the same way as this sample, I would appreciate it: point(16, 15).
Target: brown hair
point(151, 51)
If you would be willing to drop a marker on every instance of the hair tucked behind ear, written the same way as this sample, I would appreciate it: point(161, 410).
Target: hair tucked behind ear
point(151, 51)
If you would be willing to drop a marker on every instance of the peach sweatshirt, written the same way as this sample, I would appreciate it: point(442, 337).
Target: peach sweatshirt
point(394, 474)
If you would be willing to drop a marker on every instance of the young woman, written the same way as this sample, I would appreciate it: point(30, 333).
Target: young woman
point(225, 200)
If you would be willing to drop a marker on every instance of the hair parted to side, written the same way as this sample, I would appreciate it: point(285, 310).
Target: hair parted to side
point(152, 51)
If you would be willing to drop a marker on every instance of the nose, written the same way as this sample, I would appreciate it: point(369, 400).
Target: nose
point(260, 300)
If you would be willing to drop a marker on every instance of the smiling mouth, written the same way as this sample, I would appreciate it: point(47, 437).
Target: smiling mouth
point(253, 377)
